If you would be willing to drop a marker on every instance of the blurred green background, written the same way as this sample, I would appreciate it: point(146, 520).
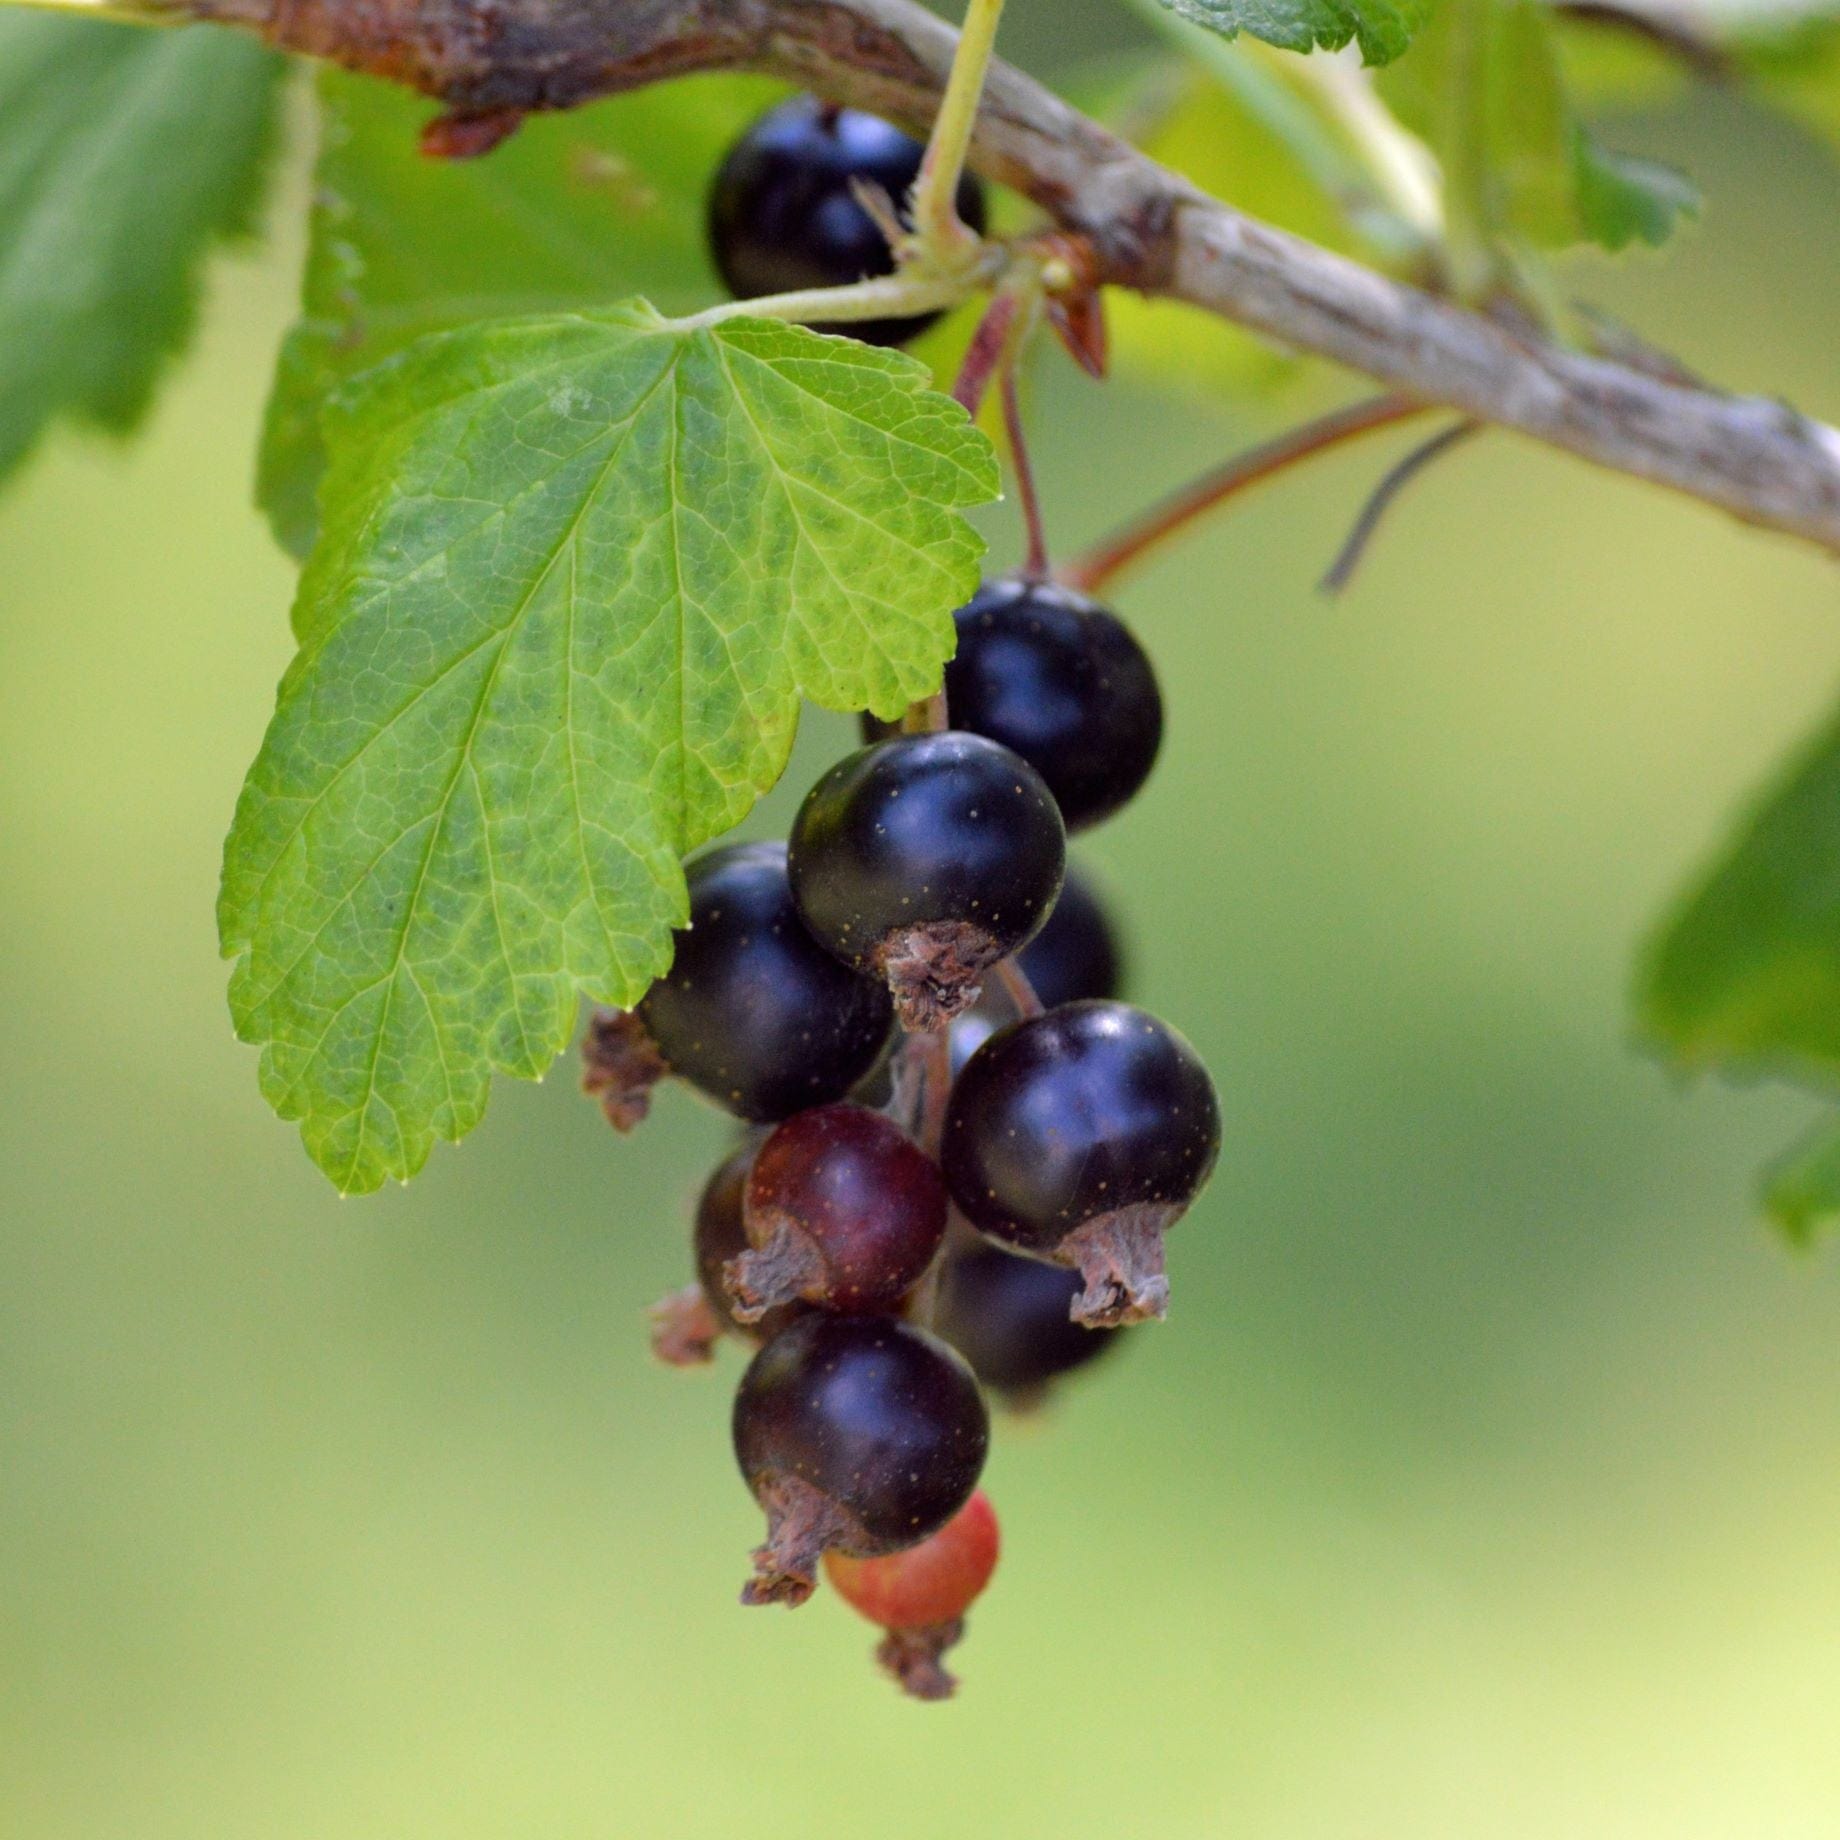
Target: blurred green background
point(1484, 1480)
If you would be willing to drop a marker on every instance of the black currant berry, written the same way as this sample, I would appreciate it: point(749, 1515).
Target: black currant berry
point(1010, 1317)
point(784, 215)
point(843, 1210)
point(855, 1433)
point(753, 1013)
point(1081, 1136)
point(924, 860)
point(688, 1323)
point(1059, 680)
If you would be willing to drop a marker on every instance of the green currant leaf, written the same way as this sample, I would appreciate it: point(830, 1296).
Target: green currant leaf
point(578, 208)
point(1623, 200)
point(1801, 1189)
point(123, 152)
point(574, 573)
point(1382, 28)
point(1485, 90)
point(1745, 974)
point(1795, 65)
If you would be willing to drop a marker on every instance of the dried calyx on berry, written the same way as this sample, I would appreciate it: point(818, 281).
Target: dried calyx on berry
point(924, 860)
point(786, 210)
point(842, 1210)
point(920, 1596)
point(856, 1434)
point(753, 1013)
point(687, 1324)
point(1010, 1316)
point(1081, 1136)
point(1062, 681)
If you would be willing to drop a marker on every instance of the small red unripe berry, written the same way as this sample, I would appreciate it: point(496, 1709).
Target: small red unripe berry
point(920, 1595)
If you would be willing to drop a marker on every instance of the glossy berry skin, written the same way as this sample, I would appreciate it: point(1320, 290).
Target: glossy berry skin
point(1060, 680)
point(1080, 1136)
point(783, 215)
point(855, 1433)
point(843, 1210)
point(1076, 955)
point(924, 859)
point(753, 1012)
point(920, 1596)
point(1009, 1316)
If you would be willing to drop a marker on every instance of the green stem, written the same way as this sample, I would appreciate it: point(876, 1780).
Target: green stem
point(936, 220)
point(898, 296)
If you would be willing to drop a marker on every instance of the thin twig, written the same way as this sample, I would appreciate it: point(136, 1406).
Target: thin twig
point(1103, 564)
point(1144, 226)
point(1395, 481)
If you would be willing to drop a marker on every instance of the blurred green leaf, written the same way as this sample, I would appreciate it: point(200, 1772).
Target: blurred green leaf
point(1624, 200)
point(1796, 67)
point(1485, 91)
point(123, 153)
point(575, 573)
point(1785, 57)
point(1607, 68)
point(1254, 127)
point(1746, 973)
point(1382, 28)
point(577, 209)
point(1802, 1189)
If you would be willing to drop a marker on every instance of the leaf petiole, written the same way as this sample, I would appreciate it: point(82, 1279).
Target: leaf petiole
point(905, 295)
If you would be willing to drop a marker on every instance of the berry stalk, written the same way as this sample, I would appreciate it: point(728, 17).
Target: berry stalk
point(1035, 566)
point(1348, 559)
point(1018, 987)
point(1124, 549)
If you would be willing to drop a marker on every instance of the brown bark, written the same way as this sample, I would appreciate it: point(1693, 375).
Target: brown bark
point(1148, 228)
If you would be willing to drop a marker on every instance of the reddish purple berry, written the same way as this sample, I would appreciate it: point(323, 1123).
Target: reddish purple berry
point(843, 1210)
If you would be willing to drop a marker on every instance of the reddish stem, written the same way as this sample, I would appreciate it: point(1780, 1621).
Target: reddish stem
point(1109, 559)
point(1035, 566)
point(938, 1090)
point(984, 354)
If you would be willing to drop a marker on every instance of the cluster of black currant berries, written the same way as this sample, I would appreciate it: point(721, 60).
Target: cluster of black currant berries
point(973, 1198)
